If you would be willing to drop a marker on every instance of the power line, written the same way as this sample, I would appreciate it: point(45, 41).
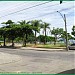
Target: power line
point(25, 9)
point(42, 15)
point(15, 6)
point(49, 13)
point(28, 8)
point(50, 6)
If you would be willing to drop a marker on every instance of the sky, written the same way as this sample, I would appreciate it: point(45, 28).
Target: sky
point(44, 10)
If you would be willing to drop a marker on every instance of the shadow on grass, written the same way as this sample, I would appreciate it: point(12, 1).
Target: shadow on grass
point(72, 71)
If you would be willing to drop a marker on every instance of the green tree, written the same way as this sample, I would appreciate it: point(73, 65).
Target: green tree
point(36, 27)
point(26, 29)
point(45, 26)
point(64, 36)
point(57, 33)
point(3, 33)
point(31, 38)
point(73, 31)
point(13, 32)
point(41, 38)
point(5, 29)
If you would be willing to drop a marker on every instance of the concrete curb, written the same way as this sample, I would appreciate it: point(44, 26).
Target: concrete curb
point(44, 49)
point(41, 49)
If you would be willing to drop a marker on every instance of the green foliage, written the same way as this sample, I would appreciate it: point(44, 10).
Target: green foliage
point(73, 31)
point(31, 38)
point(41, 38)
point(25, 30)
point(45, 26)
point(36, 24)
point(57, 33)
point(8, 22)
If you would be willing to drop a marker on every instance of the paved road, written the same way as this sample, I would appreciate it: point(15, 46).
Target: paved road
point(30, 61)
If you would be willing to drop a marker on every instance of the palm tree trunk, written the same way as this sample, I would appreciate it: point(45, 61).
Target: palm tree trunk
point(24, 41)
point(45, 37)
point(35, 37)
point(12, 43)
point(55, 40)
point(4, 41)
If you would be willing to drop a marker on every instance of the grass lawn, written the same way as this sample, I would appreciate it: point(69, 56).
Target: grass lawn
point(52, 46)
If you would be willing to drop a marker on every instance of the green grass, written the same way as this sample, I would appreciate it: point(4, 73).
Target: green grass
point(52, 46)
point(48, 46)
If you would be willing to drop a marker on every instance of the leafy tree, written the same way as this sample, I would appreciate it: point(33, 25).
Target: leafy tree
point(26, 29)
point(73, 31)
point(41, 38)
point(3, 33)
point(13, 32)
point(5, 29)
point(45, 26)
point(64, 36)
point(36, 27)
point(31, 38)
point(51, 38)
point(57, 33)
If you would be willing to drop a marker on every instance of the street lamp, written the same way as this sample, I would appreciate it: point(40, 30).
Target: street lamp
point(64, 18)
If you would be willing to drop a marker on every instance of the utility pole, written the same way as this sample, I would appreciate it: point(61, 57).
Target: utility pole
point(64, 18)
point(66, 33)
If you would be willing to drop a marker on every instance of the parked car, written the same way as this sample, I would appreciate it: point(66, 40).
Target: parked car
point(72, 46)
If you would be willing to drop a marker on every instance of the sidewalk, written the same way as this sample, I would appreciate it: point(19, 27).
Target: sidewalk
point(41, 49)
point(44, 49)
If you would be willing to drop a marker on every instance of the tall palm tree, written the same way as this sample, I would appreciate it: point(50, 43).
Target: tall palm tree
point(45, 26)
point(26, 29)
point(36, 27)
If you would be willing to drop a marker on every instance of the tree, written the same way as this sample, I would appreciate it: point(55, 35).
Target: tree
point(73, 31)
point(31, 38)
point(57, 33)
point(64, 36)
point(5, 29)
point(3, 33)
point(41, 38)
point(13, 32)
point(26, 29)
point(45, 26)
point(36, 27)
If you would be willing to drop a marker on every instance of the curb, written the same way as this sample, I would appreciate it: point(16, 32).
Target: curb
point(41, 49)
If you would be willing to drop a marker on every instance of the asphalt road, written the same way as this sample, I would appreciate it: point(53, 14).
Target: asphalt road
point(31, 61)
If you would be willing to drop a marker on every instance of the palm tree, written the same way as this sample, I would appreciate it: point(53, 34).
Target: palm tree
point(45, 26)
point(26, 29)
point(36, 27)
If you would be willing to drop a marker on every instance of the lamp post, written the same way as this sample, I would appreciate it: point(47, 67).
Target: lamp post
point(64, 18)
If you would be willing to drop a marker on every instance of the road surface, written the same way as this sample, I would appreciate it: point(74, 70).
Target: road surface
point(31, 61)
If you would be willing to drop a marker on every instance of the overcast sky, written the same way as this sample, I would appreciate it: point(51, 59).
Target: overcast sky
point(46, 12)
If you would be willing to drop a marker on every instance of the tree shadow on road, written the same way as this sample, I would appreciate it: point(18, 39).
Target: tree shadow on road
point(11, 47)
point(72, 71)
